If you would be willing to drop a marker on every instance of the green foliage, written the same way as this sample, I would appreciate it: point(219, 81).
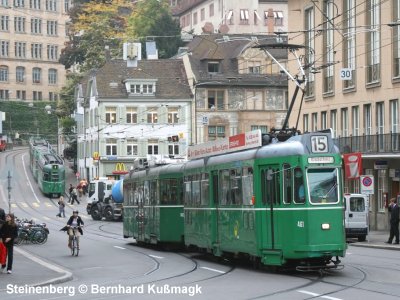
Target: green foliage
point(28, 121)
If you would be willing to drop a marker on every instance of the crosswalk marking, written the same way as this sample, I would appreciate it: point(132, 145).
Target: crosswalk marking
point(48, 204)
point(24, 204)
point(13, 205)
point(35, 204)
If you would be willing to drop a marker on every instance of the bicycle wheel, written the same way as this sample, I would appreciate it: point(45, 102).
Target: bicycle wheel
point(39, 237)
point(73, 246)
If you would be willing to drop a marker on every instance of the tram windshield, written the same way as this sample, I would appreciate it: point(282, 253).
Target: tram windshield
point(323, 185)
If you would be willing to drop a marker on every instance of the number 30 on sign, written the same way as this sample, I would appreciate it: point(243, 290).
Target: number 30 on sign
point(345, 74)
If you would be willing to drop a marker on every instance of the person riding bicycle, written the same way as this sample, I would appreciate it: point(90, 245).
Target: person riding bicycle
point(74, 226)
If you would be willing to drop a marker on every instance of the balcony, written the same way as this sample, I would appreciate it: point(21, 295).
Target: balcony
point(377, 143)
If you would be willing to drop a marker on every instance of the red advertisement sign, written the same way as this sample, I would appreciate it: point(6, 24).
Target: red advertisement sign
point(353, 165)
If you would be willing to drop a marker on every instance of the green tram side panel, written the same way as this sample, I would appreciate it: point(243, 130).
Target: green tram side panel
point(170, 224)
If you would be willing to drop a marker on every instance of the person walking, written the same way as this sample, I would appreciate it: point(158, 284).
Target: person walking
point(8, 233)
point(70, 190)
point(2, 217)
point(61, 207)
point(74, 196)
point(394, 221)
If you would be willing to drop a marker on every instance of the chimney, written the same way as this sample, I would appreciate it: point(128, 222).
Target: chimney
point(271, 21)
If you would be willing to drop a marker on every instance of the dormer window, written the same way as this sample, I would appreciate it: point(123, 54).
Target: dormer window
point(141, 89)
point(213, 67)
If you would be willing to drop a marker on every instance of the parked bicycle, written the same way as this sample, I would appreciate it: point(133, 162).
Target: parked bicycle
point(28, 231)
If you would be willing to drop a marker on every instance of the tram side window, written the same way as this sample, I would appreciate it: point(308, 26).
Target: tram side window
point(139, 194)
point(287, 184)
point(299, 191)
point(196, 190)
point(46, 176)
point(271, 186)
point(204, 189)
point(247, 184)
point(224, 187)
point(188, 190)
point(146, 193)
point(153, 197)
point(235, 191)
point(170, 192)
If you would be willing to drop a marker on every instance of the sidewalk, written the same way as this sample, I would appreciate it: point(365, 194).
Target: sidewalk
point(376, 239)
point(33, 271)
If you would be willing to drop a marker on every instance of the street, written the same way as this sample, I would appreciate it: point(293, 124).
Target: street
point(109, 266)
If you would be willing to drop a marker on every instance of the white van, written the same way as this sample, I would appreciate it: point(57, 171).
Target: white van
point(356, 216)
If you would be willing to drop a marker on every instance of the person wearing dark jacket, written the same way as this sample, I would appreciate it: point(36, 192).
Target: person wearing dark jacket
point(74, 225)
point(2, 217)
point(8, 233)
point(394, 221)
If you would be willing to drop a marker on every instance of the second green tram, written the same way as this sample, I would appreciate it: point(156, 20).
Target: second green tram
point(279, 204)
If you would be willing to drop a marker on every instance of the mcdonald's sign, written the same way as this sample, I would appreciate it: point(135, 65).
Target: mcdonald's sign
point(96, 155)
point(120, 169)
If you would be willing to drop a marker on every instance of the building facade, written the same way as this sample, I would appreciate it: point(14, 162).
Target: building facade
point(237, 87)
point(32, 34)
point(233, 16)
point(352, 53)
point(125, 113)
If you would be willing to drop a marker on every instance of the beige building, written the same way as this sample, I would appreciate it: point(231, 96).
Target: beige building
point(352, 53)
point(32, 34)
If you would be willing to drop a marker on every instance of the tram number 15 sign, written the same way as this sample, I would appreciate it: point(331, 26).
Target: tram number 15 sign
point(319, 144)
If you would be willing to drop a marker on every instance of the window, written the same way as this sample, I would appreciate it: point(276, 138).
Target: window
point(254, 67)
point(3, 73)
point(344, 122)
point(355, 120)
point(52, 27)
point(229, 17)
point(36, 75)
point(324, 120)
point(147, 88)
point(19, 3)
point(111, 147)
point(278, 17)
point(396, 39)
point(135, 88)
point(51, 5)
point(349, 44)
point(202, 14)
point(37, 96)
point(152, 115)
point(213, 67)
point(111, 115)
point(215, 132)
point(36, 26)
point(380, 124)
point(287, 184)
point(4, 23)
point(314, 122)
point(373, 41)
point(263, 128)
point(328, 55)
point(215, 100)
point(20, 49)
point(270, 185)
point(53, 96)
point(394, 123)
point(21, 95)
point(19, 24)
point(367, 119)
point(334, 122)
point(173, 116)
point(20, 74)
point(4, 3)
point(4, 47)
point(152, 149)
point(52, 52)
point(310, 44)
point(382, 188)
point(298, 186)
point(36, 51)
point(173, 149)
point(66, 6)
point(244, 16)
point(323, 187)
point(131, 115)
point(195, 18)
point(305, 123)
point(211, 9)
point(35, 4)
point(247, 184)
point(52, 76)
point(170, 192)
point(4, 94)
point(131, 148)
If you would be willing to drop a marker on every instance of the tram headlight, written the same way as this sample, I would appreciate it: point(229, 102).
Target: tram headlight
point(326, 226)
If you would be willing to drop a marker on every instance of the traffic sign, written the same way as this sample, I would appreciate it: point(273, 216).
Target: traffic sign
point(367, 184)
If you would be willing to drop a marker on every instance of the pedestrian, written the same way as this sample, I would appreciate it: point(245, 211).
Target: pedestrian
point(70, 190)
point(394, 221)
point(8, 233)
point(74, 196)
point(61, 207)
point(2, 217)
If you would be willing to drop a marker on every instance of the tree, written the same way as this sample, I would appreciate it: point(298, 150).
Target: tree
point(153, 18)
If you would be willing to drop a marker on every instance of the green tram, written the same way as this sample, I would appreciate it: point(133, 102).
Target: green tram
point(47, 168)
point(279, 204)
point(153, 208)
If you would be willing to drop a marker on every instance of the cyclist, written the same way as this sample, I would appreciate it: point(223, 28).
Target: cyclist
point(74, 226)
